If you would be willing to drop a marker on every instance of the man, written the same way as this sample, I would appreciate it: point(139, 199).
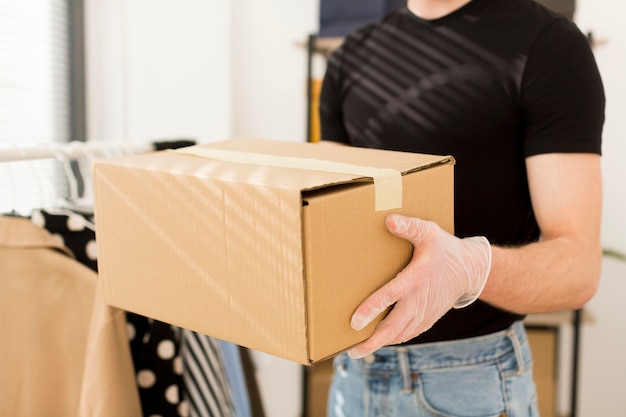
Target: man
point(512, 91)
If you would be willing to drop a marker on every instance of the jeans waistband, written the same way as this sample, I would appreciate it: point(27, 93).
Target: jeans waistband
point(471, 351)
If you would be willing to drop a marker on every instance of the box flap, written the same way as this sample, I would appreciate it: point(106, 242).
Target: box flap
point(387, 181)
point(401, 161)
point(308, 180)
point(283, 177)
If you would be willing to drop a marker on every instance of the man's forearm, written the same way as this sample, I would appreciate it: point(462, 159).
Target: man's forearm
point(552, 275)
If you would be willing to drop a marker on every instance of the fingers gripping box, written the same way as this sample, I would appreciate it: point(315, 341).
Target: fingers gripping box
point(267, 244)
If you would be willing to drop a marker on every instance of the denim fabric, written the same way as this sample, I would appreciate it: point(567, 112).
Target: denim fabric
point(487, 376)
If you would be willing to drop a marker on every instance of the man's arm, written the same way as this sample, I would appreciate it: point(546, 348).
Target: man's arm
point(563, 269)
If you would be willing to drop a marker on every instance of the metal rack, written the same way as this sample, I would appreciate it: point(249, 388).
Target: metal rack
point(70, 150)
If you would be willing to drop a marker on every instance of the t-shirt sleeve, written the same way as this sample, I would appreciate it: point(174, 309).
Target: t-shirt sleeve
point(330, 107)
point(562, 93)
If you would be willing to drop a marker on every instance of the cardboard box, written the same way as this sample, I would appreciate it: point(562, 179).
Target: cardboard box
point(269, 257)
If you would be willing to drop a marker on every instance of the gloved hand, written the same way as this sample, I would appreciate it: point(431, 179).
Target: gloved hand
point(445, 272)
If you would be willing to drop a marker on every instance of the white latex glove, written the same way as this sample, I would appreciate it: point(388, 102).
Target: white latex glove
point(445, 272)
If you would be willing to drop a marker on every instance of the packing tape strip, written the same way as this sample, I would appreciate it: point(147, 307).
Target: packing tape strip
point(387, 181)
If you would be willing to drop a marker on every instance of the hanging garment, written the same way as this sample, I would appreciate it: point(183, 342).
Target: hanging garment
point(157, 347)
point(207, 389)
point(104, 393)
point(75, 231)
point(47, 307)
point(233, 366)
point(154, 345)
point(158, 366)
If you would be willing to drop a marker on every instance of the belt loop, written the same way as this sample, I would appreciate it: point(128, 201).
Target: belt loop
point(405, 369)
point(517, 348)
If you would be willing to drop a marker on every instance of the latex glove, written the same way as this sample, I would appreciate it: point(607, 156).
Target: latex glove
point(445, 272)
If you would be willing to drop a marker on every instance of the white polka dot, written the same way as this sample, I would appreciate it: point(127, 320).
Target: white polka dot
point(131, 332)
point(166, 349)
point(38, 219)
point(171, 394)
point(75, 223)
point(146, 337)
point(183, 409)
point(59, 238)
point(91, 249)
point(146, 378)
point(177, 365)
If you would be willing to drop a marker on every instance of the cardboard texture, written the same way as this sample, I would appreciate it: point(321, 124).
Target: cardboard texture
point(275, 259)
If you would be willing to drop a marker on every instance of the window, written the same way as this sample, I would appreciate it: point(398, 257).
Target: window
point(41, 89)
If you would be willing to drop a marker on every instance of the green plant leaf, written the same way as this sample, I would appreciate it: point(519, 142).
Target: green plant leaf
point(612, 253)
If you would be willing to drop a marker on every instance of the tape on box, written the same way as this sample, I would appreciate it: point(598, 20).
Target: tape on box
point(387, 181)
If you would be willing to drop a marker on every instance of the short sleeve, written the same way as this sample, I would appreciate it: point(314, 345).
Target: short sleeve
point(562, 93)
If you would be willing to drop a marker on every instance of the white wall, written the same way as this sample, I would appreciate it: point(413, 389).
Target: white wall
point(269, 67)
point(602, 18)
point(211, 70)
point(158, 69)
point(603, 362)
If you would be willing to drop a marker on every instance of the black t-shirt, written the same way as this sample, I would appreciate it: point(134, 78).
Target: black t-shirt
point(490, 84)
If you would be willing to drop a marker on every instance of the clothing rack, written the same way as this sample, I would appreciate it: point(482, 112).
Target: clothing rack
point(36, 167)
point(70, 150)
point(20, 163)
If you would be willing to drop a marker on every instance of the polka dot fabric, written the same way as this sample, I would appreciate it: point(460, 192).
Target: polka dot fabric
point(155, 350)
point(74, 230)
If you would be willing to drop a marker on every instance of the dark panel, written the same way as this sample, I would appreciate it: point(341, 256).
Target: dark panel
point(340, 17)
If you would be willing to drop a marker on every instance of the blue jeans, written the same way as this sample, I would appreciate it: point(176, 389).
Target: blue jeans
point(486, 376)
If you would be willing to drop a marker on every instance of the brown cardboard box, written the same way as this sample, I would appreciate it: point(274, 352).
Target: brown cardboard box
point(269, 257)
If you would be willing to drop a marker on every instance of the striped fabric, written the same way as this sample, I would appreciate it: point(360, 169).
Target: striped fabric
point(206, 389)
